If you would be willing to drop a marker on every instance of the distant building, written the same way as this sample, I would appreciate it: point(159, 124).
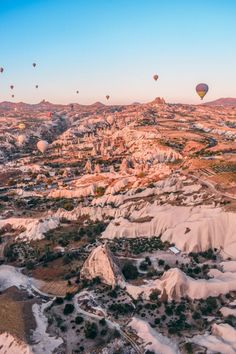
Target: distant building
point(174, 250)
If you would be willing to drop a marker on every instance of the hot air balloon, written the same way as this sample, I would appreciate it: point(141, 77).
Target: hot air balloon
point(21, 139)
point(42, 146)
point(77, 92)
point(202, 90)
point(1, 70)
point(12, 96)
point(107, 97)
point(36, 86)
point(34, 65)
point(49, 114)
point(11, 87)
point(21, 126)
point(155, 77)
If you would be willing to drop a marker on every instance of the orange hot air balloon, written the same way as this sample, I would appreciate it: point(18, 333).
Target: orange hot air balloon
point(202, 90)
point(1, 70)
point(155, 77)
point(107, 97)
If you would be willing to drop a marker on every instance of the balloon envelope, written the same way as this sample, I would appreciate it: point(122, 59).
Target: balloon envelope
point(107, 97)
point(1, 70)
point(202, 90)
point(11, 87)
point(21, 139)
point(21, 125)
point(42, 146)
point(155, 77)
point(34, 65)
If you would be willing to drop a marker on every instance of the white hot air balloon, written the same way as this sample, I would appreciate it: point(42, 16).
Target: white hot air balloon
point(21, 139)
point(42, 146)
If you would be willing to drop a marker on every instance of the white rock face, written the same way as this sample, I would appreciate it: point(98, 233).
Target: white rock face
point(226, 311)
point(153, 340)
point(229, 266)
point(101, 263)
point(11, 345)
point(222, 340)
point(209, 228)
point(175, 284)
point(34, 228)
point(44, 342)
point(11, 276)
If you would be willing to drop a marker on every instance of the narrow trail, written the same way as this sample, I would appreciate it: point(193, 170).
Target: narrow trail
point(112, 324)
point(212, 187)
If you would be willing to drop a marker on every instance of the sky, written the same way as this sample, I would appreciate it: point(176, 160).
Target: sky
point(115, 47)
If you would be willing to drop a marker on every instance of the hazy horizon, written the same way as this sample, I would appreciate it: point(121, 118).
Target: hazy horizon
point(115, 48)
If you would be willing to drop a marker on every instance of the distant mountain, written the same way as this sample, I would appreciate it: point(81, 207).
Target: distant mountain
point(97, 104)
point(158, 100)
point(222, 102)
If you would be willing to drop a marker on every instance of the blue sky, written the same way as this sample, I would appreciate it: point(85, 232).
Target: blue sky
point(114, 47)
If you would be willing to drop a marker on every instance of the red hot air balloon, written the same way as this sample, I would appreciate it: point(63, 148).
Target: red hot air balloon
point(202, 90)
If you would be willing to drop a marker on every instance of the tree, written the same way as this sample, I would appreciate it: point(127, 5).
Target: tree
point(154, 295)
point(102, 322)
point(130, 271)
point(196, 315)
point(59, 301)
point(30, 265)
point(90, 330)
point(68, 309)
point(79, 320)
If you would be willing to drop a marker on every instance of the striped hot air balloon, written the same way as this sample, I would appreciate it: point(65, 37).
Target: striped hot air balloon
point(202, 90)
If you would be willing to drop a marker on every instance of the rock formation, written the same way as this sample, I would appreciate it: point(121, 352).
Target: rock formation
point(101, 263)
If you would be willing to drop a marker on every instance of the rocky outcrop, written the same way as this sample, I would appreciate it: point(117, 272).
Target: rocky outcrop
point(101, 263)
